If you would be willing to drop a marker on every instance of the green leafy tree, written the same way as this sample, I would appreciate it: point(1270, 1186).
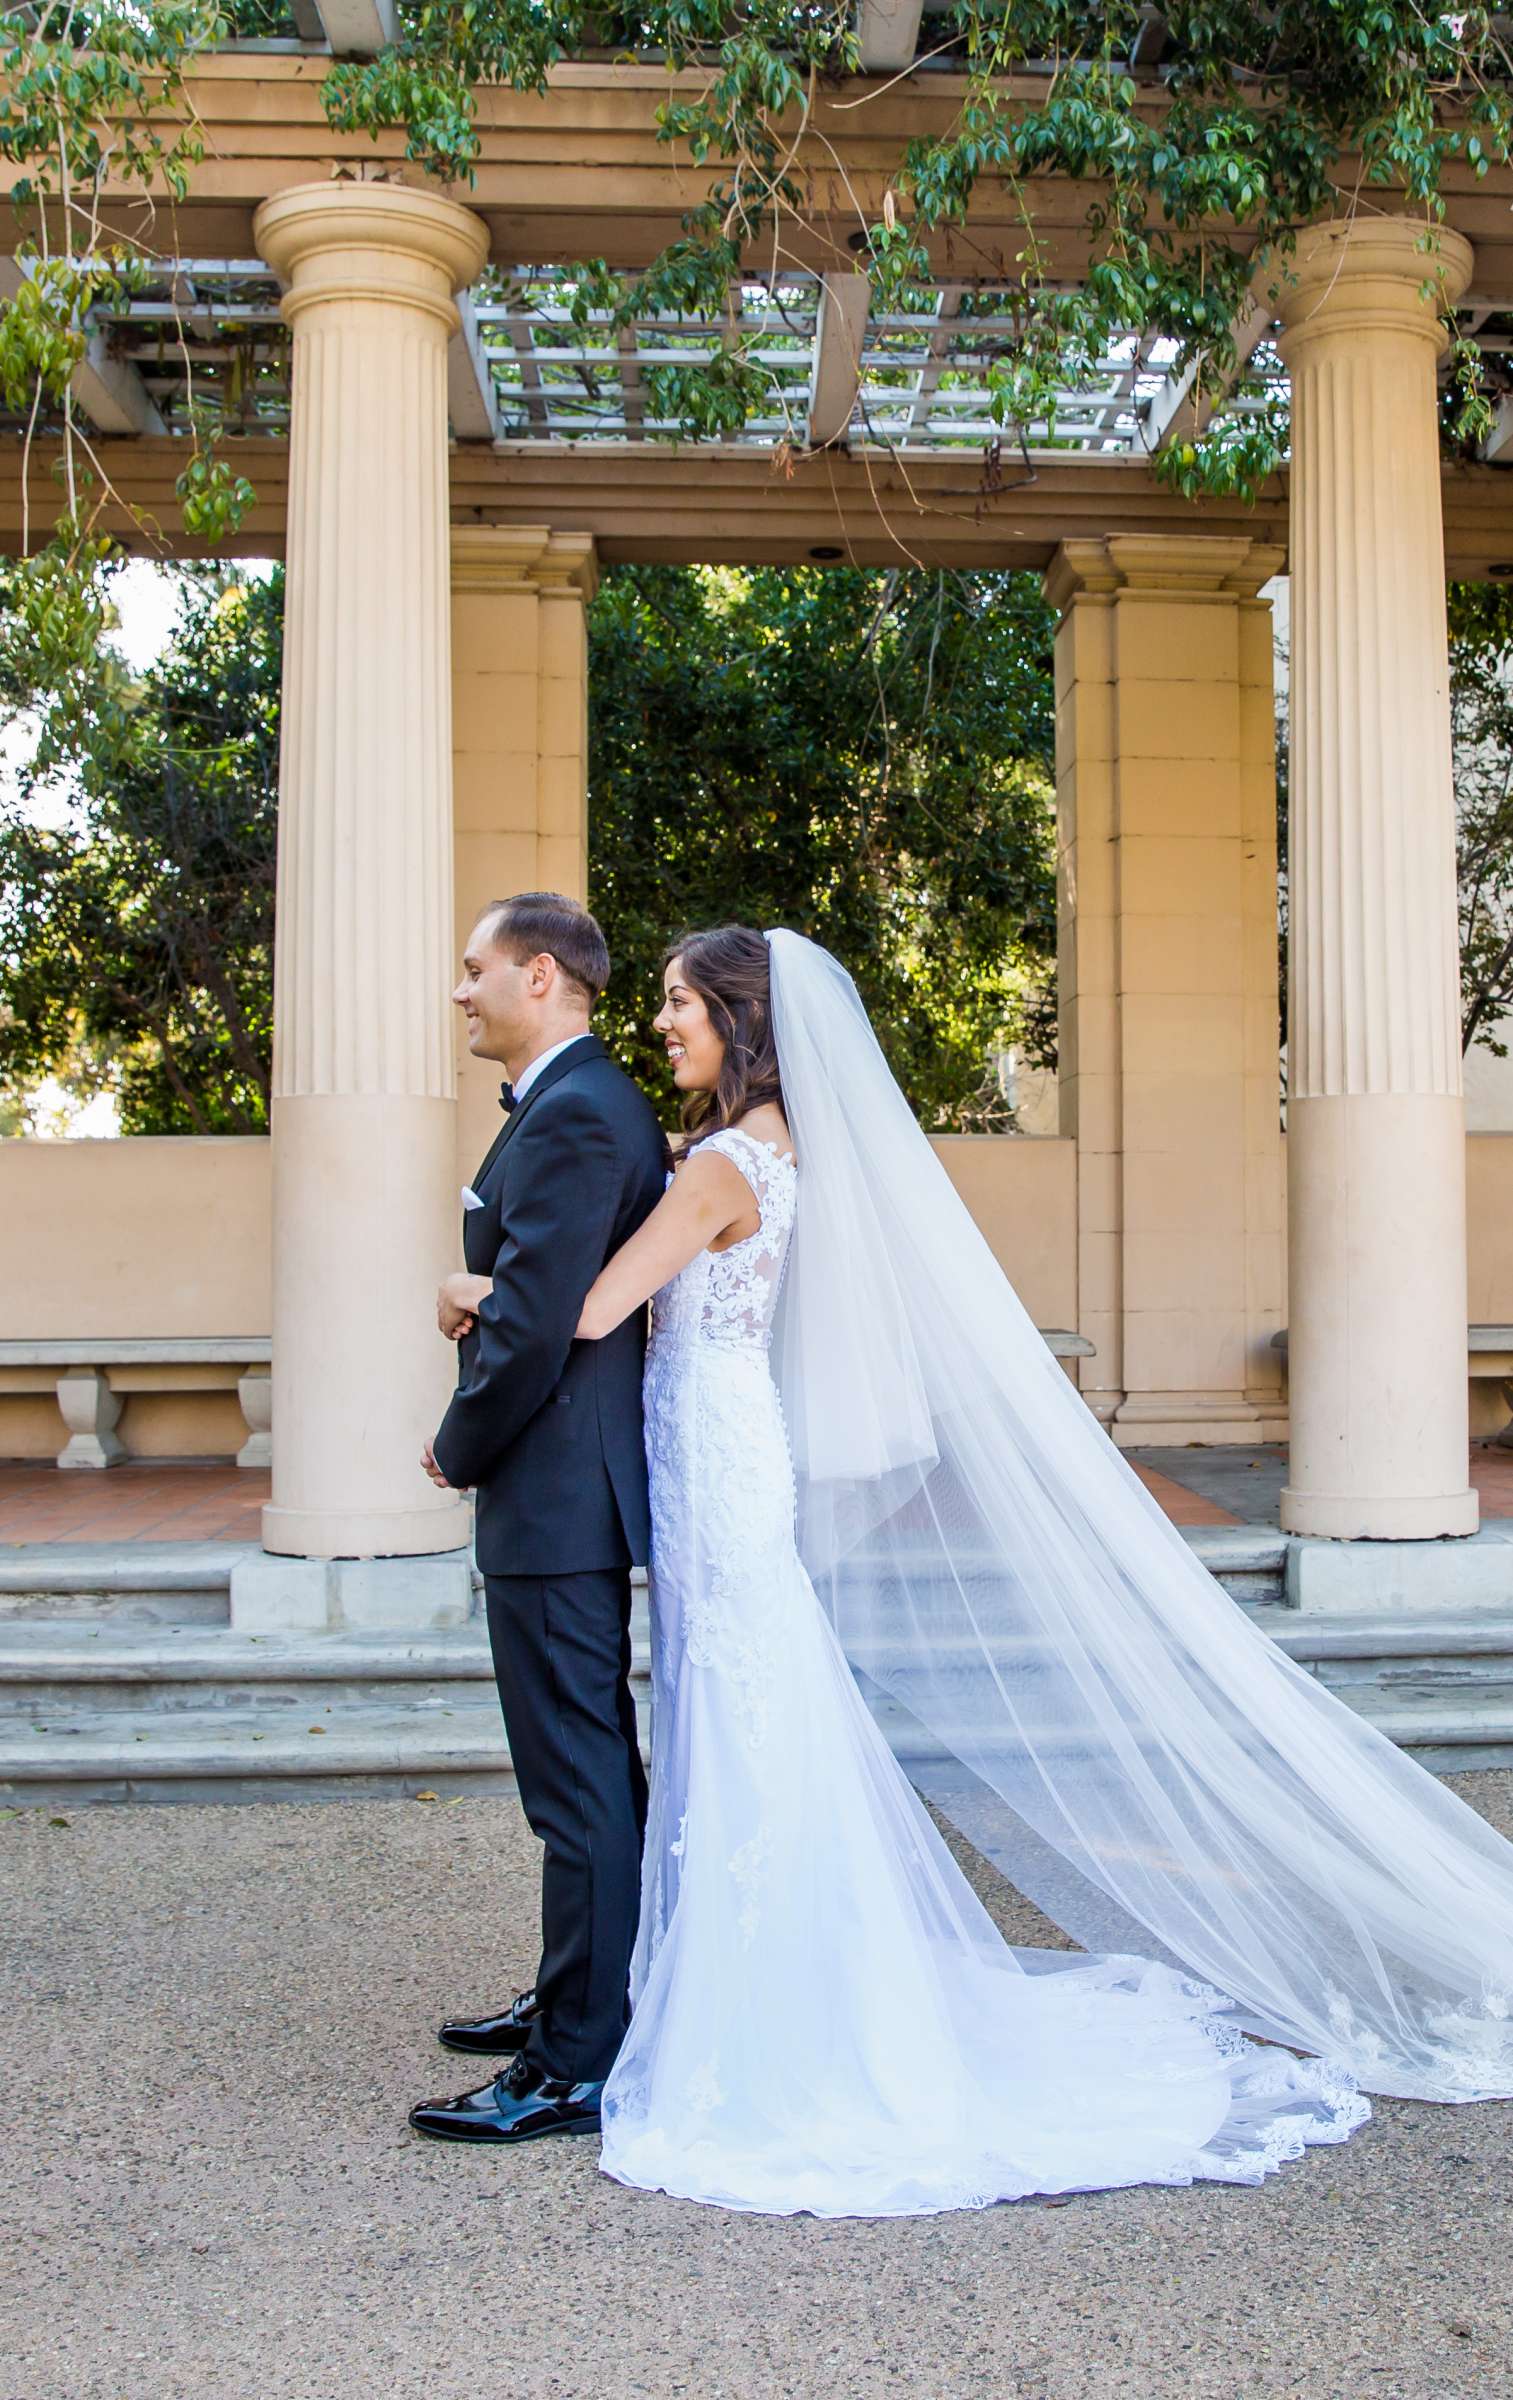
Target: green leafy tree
point(136, 935)
point(863, 756)
point(92, 99)
point(1481, 707)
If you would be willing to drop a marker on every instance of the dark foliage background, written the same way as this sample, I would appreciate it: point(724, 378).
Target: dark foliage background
point(863, 756)
point(136, 938)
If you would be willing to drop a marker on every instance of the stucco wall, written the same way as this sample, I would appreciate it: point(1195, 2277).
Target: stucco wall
point(123, 1237)
point(133, 1237)
point(171, 1237)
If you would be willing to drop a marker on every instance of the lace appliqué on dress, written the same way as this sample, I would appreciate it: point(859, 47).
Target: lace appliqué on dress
point(716, 1443)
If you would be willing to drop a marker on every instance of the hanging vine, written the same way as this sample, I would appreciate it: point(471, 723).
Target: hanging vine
point(92, 100)
point(1253, 123)
point(1257, 122)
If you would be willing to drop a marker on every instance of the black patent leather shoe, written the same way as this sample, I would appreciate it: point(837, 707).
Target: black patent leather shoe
point(492, 2037)
point(518, 2106)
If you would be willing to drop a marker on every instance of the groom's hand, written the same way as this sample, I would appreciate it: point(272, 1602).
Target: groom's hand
point(428, 1461)
point(457, 1304)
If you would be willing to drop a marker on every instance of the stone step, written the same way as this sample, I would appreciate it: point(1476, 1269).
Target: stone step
point(242, 1753)
point(1250, 1561)
point(149, 1583)
point(1451, 1735)
point(68, 1668)
point(133, 1715)
point(113, 1687)
point(189, 1583)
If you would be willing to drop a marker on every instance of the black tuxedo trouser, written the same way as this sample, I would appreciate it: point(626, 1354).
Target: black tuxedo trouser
point(561, 1646)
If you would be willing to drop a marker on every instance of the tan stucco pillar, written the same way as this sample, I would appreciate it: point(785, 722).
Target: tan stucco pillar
point(519, 746)
point(1165, 750)
point(1376, 1136)
point(364, 1109)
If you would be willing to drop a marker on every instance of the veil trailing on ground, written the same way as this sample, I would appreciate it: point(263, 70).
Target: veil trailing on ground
point(1054, 1667)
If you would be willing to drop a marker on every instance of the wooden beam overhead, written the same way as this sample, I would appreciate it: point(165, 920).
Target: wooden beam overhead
point(888, 31)
point(108, 389)
point(353, 28)
point(839, 332)
point(112, 393)
point(471, 401)
point(1498, 443)
point(1180, 409)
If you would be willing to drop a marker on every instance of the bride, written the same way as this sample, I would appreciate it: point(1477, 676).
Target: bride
point(885, 1525)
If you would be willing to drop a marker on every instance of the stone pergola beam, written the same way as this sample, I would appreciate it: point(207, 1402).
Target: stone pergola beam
point(1499, 441)
point(723, 505)
point(653, 502)
point(840, 330)
point(579, 171)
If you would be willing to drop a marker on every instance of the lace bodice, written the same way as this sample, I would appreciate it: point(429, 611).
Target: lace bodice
point(729, 1296)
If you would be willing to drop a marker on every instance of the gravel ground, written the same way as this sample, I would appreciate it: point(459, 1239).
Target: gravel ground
point(216, 2018)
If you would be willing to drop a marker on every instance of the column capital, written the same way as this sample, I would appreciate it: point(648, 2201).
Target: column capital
point(1224, 566)
point(523, 558)
point(370, 241)
point(1368, 275)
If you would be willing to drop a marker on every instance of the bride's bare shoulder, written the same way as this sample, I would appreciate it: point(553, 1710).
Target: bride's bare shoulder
point(767, 1124)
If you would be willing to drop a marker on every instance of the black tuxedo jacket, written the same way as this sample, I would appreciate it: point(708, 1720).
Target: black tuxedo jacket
point(546, 1428)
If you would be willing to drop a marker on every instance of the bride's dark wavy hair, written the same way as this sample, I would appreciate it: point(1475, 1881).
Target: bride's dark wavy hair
point(730, 969)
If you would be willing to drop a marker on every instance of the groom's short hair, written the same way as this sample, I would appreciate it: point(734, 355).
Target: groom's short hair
point(530, 922)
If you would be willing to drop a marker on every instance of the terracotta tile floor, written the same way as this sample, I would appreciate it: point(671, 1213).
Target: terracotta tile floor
point(142, 1502)
point(1492, 1474)
point(1184, 1507)
point(1195, 1503)
point(148, 1503)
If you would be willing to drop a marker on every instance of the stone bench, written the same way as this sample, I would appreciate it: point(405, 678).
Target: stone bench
point(91, 1410)
point(1489, 1359)
point(1062, 1344)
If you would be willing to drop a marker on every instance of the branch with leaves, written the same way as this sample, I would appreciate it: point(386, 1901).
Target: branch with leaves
point(92, 97)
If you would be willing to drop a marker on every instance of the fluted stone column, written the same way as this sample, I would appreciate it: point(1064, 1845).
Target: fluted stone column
point(1376, 1137)
point(364, 1188)
point(519, 746)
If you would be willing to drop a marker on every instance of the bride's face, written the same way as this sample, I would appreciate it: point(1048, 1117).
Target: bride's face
point(694, 1048)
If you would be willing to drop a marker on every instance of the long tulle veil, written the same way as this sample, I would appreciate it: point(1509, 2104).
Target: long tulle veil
point(1058, 1672)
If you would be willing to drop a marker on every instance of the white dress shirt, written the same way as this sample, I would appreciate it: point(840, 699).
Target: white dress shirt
point(539, 1064)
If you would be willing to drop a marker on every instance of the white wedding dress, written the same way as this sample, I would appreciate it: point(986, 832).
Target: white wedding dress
point(825, 2018)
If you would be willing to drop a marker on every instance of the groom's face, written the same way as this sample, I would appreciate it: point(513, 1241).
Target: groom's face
point(496, 997)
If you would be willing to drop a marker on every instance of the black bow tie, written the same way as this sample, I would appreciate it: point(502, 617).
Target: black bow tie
point(507, 1100)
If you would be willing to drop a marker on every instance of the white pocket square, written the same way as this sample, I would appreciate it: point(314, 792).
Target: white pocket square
point(470, 1198)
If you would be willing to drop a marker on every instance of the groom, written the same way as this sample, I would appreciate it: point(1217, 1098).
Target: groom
point(548, 1429)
